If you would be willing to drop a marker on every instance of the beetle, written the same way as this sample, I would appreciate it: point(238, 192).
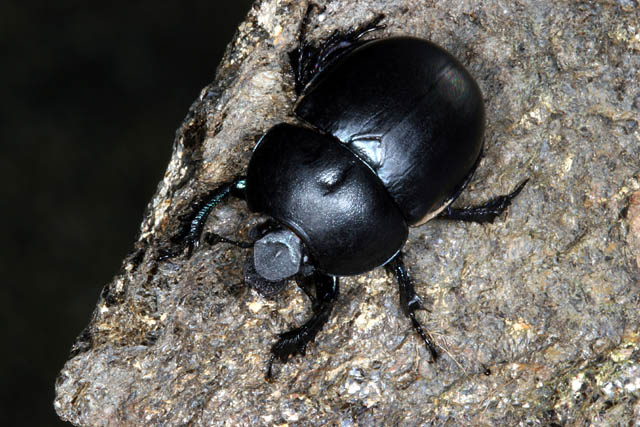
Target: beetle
point(390, 133)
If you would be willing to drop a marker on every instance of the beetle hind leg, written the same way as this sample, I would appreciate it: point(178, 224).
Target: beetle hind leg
point(487, 212)
point(410, 301)
point(295, 341)
point(308, 59)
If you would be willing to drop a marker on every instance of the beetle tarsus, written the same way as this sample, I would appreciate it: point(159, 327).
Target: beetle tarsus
point(426, 337)
point(410, 301)
point(295, 341)
point(487, 212)
point(269, 374)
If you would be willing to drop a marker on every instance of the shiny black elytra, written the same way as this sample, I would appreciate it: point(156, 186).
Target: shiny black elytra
point(390, 133)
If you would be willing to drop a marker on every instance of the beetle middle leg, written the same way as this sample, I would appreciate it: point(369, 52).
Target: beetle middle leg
point(295, 341)
point(410, 301)
point(483, 213)
point(307, 59)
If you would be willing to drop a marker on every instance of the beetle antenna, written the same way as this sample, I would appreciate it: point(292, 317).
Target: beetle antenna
point(213, 239)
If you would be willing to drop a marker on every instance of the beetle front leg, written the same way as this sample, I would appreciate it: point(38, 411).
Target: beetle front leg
point(410, 301)
point(484, 213)
point(295, 341)
point(189, 236)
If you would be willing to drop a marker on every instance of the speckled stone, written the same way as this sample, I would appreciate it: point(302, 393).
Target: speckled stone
point(546, 298)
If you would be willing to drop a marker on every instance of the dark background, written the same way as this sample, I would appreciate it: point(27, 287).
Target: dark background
point(91, 96)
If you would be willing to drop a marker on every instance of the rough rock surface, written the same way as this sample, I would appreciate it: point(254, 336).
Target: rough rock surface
point(546, 298)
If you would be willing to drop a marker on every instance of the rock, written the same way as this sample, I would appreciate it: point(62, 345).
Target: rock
point(536, 315)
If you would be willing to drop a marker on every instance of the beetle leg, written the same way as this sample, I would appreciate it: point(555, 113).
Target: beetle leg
point(484, 213)
point(193, 224)
point(410, 301)
point(307, 59)
point(295, 341)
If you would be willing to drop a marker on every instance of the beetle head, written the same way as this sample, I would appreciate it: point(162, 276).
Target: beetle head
point(277, 255)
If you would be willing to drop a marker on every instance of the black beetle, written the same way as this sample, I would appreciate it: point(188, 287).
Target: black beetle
point(390, 134)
